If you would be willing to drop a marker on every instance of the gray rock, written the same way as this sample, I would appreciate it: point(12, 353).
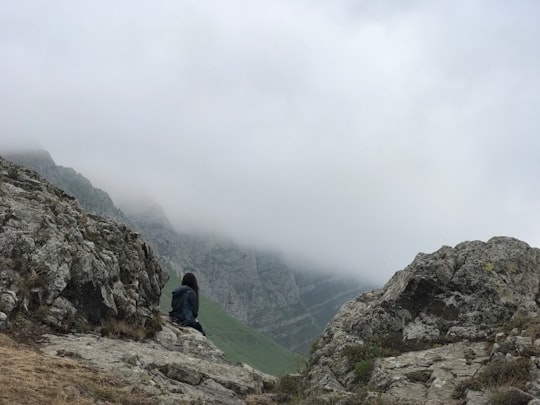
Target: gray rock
point(3, 318)
point(436, 317)
point(184, 364)
point(73, 266)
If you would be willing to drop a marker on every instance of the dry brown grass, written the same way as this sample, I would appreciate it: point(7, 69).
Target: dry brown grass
point(30, 377)
point(121, 329)
point(499, 375)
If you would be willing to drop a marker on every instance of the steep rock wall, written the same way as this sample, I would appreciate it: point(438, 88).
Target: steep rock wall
point(74, 266)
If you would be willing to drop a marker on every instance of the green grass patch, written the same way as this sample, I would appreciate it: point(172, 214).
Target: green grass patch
point(363, 357)
point(239, 342)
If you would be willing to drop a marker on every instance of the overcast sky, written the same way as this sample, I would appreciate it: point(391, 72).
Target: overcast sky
point(353, 133)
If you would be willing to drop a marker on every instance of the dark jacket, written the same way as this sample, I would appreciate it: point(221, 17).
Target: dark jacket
point(185, 306)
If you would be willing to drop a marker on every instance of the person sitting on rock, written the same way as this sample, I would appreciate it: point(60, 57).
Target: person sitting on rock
point(185, 303)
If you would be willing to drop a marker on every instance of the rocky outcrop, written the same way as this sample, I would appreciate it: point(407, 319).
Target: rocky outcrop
point(70, 268)
point(456, 326)
point(178, 366)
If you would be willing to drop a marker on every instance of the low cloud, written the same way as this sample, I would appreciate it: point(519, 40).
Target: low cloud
point(351, 134)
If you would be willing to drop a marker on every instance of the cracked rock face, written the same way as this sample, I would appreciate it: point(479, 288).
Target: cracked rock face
point(450, 303)
point(73, 268)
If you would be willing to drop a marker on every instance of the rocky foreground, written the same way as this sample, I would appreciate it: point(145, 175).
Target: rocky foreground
point(178, 366)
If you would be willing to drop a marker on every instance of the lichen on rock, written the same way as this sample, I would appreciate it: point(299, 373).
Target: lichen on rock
point(65, 266)
point(439, 315)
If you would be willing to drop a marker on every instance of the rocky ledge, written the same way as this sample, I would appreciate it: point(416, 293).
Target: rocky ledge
point(177, 366)
point(457, 326)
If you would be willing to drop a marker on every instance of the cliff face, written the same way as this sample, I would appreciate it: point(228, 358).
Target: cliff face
point(460, 325)
point(77, 268)
point(261, 289)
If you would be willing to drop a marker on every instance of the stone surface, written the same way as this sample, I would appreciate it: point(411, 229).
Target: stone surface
point(76, 268)
point(437, 319)
point(179, 365)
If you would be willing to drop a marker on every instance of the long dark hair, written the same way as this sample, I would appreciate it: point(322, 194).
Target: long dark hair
point(190, 280)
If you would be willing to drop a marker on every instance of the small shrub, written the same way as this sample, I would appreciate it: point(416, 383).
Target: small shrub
point(513, 373)
point(533, 328)
point(358, 353)
point(520, 322)
point(122, 329)
point(155, 324)
point(290, 384)
point(421, 376)
point(363, 357)
point(509, 396)
point(364, 369)
point(393, 344)
point(500, 373)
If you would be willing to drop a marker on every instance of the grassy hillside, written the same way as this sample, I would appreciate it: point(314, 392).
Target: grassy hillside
point(237, 340)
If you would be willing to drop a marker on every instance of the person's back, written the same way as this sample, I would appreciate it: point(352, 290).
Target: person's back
point(185, 303)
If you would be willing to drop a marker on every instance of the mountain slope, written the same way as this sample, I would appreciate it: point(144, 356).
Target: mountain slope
point(75, 184)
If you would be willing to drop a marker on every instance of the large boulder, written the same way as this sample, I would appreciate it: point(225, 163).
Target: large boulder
point(455, 301)
point(71, 269)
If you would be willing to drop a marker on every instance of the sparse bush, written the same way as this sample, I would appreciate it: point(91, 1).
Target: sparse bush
point(499, 373)
point(290, 384)
point(121, 329)
point(364, 369)
point(155, 324)
point(363, 357)
point(358, 353)
point(393, 344)
point(421, 376)
point(509, 396)
point(513, 373)
point(519, 321)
